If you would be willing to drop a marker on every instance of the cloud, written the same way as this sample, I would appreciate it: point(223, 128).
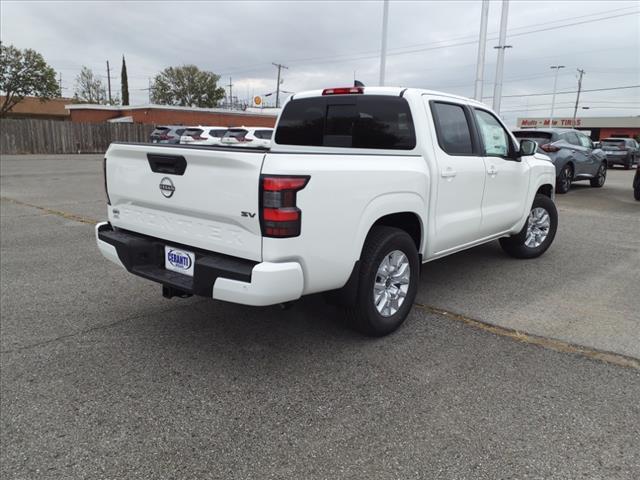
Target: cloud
point(431, 45)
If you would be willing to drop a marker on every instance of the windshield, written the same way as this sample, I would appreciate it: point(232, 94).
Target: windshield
point(193, 132)
point(613, 143)
point(235, 133)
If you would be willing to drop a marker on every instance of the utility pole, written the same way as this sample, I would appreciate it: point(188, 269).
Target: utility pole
point(497, 88)
point(383, 50)
point(280, 67)
point(149, 90)
point(553, 97)
point(581, 72)
point(482, 45)
point(230, 94)
point(109, 81)
point(60, 84)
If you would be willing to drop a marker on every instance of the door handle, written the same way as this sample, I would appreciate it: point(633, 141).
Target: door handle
point(448, 173)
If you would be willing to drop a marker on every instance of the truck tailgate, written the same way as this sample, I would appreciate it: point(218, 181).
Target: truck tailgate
point(212, 204)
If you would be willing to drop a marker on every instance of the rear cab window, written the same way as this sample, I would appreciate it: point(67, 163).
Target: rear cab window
point(351, 121)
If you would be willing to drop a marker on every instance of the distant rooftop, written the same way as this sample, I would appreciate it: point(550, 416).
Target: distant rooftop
point(150, 106)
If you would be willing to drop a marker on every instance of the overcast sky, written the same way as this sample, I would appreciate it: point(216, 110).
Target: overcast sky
point(431, 44)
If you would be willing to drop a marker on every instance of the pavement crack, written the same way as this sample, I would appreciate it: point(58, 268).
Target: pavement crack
point(545, 342)
point(51, 211)
point(88, 330)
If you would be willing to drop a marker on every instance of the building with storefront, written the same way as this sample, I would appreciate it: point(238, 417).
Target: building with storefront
point(596, 127)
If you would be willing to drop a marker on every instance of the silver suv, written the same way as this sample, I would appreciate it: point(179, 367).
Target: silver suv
point(621, 151)
point(574, 155)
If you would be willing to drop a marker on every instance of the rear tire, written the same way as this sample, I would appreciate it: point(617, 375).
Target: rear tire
point(563, 181)
point(388, 282)
point(538, 232)
point(600, 177)
point(628, 163)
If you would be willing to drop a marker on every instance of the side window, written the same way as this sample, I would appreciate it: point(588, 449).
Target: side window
point(572, 138)
point(585, 141)
point(452, 128)
point(180, 131)
point(495, 138)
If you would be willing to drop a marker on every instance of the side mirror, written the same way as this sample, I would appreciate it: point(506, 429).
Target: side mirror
point(527, 147)
point(597, 145)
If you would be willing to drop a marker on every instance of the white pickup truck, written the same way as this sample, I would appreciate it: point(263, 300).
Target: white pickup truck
point(361, 185)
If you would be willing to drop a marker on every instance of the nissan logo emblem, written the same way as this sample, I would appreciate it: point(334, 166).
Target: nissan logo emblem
point(166, 187)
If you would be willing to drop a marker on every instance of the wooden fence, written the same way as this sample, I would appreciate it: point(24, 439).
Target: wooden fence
point(54, 136)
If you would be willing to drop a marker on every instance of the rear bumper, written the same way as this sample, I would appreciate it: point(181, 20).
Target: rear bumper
point(618, 159)
point(215, 275)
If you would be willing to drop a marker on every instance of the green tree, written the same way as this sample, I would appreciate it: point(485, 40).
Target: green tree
point(124, 83)
point(24, 73)
point(187, 86)
point(89, 88)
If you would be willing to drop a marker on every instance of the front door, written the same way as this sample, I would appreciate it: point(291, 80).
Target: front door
point(503, 203)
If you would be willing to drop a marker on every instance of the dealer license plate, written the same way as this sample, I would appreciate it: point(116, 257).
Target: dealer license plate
point(181, 261)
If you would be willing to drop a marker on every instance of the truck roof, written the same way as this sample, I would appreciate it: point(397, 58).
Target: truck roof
point(391, 91)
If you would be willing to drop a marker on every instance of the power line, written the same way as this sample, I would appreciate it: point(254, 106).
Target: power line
point(570, 91)
point(375, 53)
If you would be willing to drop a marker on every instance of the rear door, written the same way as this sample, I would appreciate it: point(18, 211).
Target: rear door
point(579, 153)
point(460, 176)
point(204, 198)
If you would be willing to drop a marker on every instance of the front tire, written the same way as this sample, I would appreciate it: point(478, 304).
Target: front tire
point(538, 232)
point(601, 176)
point(563, 182)
point(388, 282)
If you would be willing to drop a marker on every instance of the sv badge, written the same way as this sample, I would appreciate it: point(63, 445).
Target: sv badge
point(247, 214)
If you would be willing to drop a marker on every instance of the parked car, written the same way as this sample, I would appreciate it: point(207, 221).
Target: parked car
point(573, 154)
point(203, 135)
point(361, 186)
point(621, 151)
point(167, 134)
point(248, 137)
point(636, 183)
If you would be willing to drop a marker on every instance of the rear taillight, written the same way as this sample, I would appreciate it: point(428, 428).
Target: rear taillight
point(342, 90)
point(547, 147)
point(164, 136)
point(279, 215)
point(197, 137)
point(104, 176)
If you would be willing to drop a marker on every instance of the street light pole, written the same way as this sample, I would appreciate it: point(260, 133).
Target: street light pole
point(482, 45)
point(553, 97)
point(497, 89)
point(383, 50)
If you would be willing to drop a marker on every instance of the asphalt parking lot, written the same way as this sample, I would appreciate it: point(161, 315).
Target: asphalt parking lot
point(103, 378)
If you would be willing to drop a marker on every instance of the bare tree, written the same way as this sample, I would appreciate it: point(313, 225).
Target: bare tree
point(89, 88)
